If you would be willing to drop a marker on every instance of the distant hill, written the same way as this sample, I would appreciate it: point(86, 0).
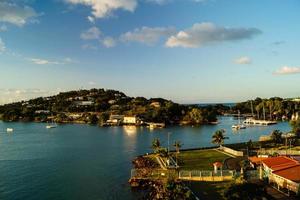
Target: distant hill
point(96, 105)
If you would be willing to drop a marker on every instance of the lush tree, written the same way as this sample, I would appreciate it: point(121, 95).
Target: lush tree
point(276, 136)
point(155, 144)
point(219, 137)
point(177, 145)
point(296, 127)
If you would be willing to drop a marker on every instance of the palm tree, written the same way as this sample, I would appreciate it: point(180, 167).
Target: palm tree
point(219, 137)
point(177, 145)
point(155, 144)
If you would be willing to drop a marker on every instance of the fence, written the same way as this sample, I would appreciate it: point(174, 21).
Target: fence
point(231, 151)
point(195, 175)
point(280, 152)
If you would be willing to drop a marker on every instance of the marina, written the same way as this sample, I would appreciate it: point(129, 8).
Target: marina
point(102, 156)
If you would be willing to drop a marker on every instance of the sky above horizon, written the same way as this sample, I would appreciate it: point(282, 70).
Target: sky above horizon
point(189, 51)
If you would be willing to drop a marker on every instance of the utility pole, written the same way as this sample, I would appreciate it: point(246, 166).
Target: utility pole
point(169, 142)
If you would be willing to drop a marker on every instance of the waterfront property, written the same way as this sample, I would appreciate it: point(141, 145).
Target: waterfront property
point(283, 172)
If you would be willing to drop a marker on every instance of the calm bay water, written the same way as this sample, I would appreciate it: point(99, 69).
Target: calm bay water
point(88, 162)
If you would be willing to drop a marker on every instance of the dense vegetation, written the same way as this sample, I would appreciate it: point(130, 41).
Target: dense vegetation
point(274, 108)
point(96, 105)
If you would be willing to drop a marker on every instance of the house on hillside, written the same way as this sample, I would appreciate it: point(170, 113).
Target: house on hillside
point(115, 119)
point(131, 120)
point(283, 172)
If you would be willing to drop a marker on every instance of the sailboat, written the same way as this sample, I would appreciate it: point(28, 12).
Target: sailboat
point(52, 125)
point(239, 125)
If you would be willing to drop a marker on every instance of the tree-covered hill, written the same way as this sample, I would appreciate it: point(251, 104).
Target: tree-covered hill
point(96, 105)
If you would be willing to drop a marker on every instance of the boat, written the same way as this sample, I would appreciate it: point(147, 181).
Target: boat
point(239, 125)
point(9, 130)
point(51, 126)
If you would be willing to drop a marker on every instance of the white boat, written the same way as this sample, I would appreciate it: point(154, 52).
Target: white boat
point(51, 126)
point(239, 125)
point(9, 130)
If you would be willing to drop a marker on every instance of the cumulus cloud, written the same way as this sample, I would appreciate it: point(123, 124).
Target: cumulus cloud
point(285, 70)
point(91, 34)
point(244, 60)
point(104, 8)
point(201, 34)
point(147, 35)
point(2, 46)
point(15, 14)
point(108, 42)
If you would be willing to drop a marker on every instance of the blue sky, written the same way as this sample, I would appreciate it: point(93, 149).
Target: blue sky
point(184, 50)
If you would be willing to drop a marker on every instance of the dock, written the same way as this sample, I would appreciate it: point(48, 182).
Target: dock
point(251, 121)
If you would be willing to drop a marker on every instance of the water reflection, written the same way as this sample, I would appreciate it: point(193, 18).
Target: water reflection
point(130, 130)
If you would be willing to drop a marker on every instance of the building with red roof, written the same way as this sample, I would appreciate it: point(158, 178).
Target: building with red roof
point(282, 171)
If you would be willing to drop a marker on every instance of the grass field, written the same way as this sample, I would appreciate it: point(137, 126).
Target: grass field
point(199, 159)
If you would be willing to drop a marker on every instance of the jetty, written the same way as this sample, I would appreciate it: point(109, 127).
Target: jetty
point(251, 121)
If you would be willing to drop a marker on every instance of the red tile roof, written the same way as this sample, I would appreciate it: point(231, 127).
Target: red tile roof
point(257, 160)
point(291, 173)
point(280, 162)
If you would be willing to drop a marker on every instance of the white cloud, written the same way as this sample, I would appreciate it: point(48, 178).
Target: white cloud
point(201, 34)
point(147, 35)
point(91, 19)
point(104, 8)
point(108, 42)
point(2, 46)
point(91, 34)
point(15, 14)
point(285, 70)
point(39, 61)
point(244, 60)
point(3, 28)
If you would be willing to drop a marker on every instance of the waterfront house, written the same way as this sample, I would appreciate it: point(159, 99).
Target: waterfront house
point(282, 172)
point(84, 103)
point(115, 119)
point(131, 120)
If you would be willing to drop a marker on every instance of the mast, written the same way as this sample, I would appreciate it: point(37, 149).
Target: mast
point(252, 108)
point(264, 111)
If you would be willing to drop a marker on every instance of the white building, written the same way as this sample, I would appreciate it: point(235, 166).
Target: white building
point(130, 120)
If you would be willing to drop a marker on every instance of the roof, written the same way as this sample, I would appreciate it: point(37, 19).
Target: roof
point(257, 160)
point(291, 173)
point(218, 164)
point(280, 162)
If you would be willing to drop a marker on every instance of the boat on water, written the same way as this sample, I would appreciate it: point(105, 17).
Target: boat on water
point(156, 125)
point(9, 130)
point(239, 125)
point(51, 126)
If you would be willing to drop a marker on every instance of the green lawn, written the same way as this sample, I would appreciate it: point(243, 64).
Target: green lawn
point(209, 190)
point(199, 159)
